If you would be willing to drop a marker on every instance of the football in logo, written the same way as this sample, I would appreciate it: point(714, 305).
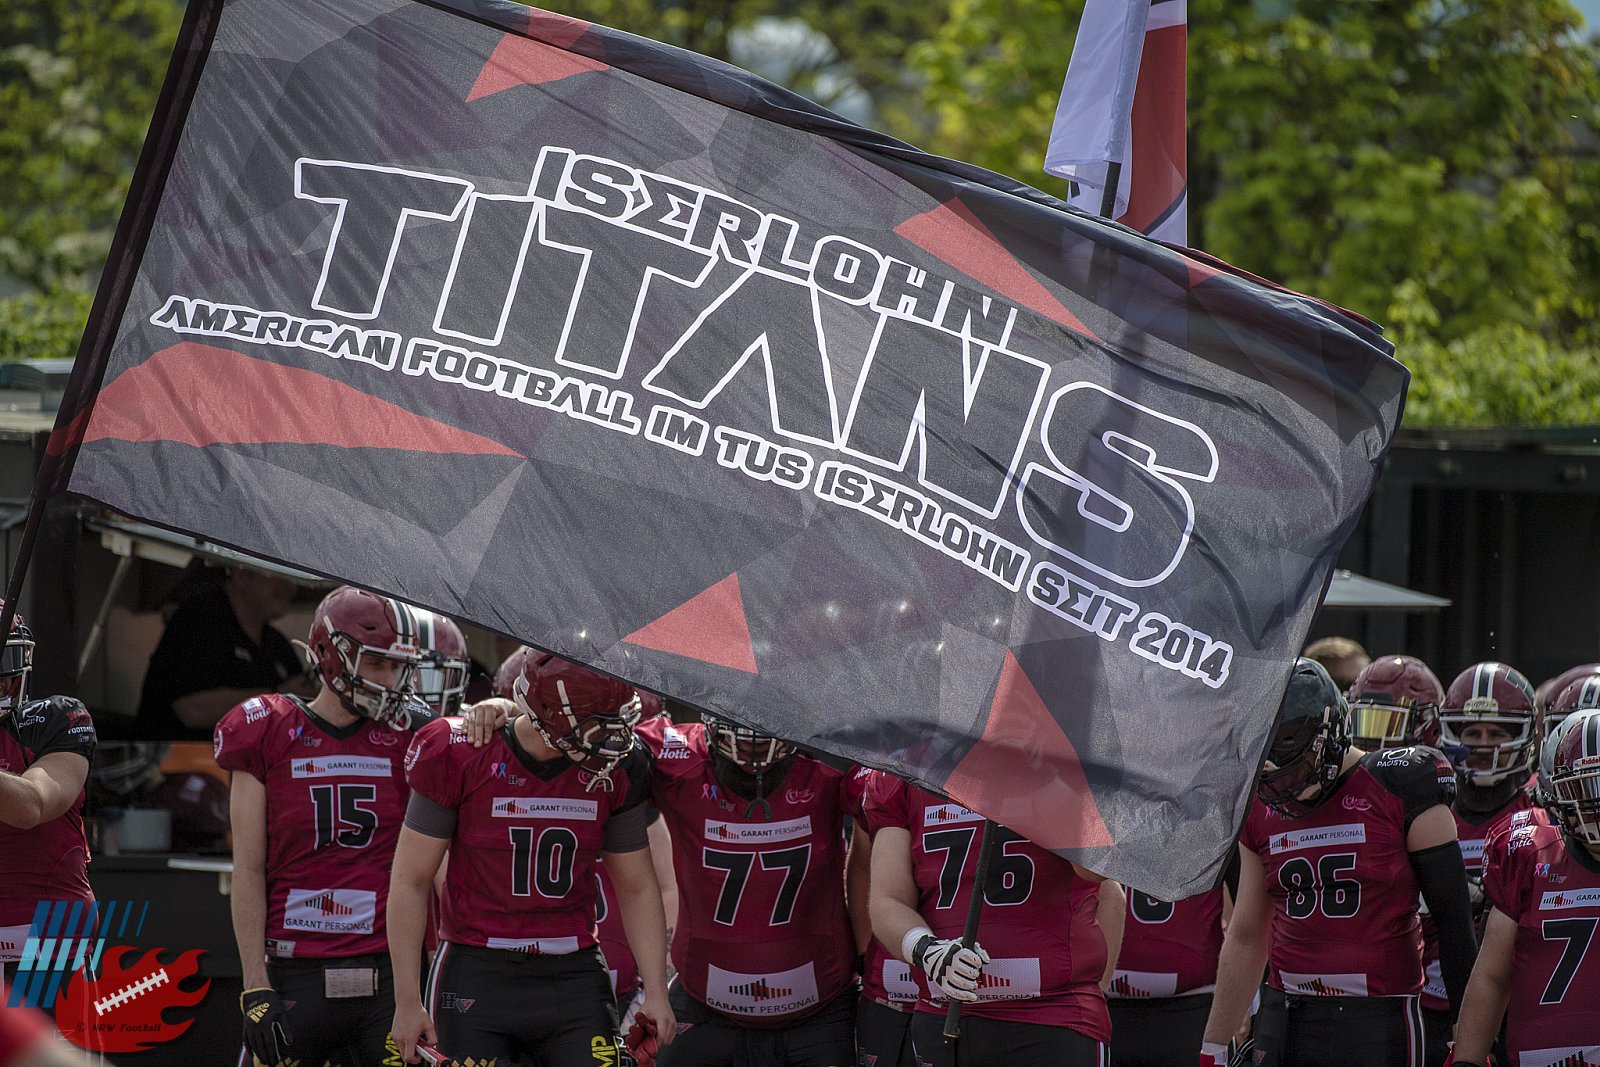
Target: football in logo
point(123, 1009)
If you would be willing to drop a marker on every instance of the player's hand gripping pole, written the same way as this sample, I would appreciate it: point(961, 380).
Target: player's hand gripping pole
point(952, 1015)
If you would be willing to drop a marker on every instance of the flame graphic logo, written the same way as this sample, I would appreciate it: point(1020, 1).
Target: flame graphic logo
point(121, 1011)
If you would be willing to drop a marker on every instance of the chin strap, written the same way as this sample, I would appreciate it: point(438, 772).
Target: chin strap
point(760, 799)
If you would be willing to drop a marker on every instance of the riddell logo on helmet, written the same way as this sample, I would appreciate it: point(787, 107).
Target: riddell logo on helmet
point(1479, 704)
point(1585, 762)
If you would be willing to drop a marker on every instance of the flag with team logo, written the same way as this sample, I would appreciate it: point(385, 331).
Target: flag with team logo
point(635, 357)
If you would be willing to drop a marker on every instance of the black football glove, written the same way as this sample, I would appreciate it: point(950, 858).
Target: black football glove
point(266, 1025)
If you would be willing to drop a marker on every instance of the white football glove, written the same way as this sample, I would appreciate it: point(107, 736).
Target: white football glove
point(951, 967)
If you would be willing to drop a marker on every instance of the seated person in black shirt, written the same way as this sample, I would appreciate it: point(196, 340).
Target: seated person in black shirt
point(219, 650)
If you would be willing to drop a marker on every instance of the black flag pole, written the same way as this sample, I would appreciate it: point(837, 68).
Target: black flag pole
point(952, 1015)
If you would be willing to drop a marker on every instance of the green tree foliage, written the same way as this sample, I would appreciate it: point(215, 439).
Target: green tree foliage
point(78, 84)
point(854, 46)
point(1429, 163)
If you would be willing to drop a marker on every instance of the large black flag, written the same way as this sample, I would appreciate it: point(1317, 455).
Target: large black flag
point(640, 359)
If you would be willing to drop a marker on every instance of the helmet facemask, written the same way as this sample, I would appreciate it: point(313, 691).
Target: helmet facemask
point(16, 661)
point(750, 758)
point(595, 740)
point(1307, 763)
point(1575, 778)
point(441, 683)
point(388, 703)
point(1485, 766)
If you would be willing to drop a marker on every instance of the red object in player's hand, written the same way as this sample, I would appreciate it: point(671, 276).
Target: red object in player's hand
point(641, 1040)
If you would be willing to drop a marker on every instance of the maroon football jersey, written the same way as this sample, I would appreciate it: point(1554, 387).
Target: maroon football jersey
point(1169, 949)
point(1344, 896)
point(335, 799)
point(620, 964)
point(528, 835)
point(50, 861)
point(1550, 886)
point(1046, 949)
point(884, 979)
point(1472, 836)
point(762, 935)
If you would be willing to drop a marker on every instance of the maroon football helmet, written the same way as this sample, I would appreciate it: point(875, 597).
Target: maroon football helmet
point(1496, 695)
point(365, 648)
point(1395, 701)
point(442, 678)
point(1575, 776)
point(587, 716)
point(1567, 693)
point(16, 660)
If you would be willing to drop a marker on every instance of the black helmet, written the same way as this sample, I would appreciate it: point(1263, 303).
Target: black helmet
point(1309, 744)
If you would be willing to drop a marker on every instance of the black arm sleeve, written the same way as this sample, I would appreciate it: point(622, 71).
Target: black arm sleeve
point(429, 817)
point(628, 829)
point(1442, 877)
point(1230, 873)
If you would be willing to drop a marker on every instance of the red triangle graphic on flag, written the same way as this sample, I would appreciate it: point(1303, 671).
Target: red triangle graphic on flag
point(954, 234)
point(1025, 774)
point(521, 61)
point(199, 395)
point(709, 627)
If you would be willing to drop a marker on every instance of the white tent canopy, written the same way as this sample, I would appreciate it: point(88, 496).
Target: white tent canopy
point(1350, 590)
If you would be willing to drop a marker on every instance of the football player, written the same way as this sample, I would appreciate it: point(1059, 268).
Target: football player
point(1551, 688)
point(1032, 984)
point(1395, 701)
point(1332, 856)
point(525, 819)
point(441, 681)
point(45, 748)
point(317, 796)
point(1539, 968)
point(1160, 993)
point(1582, 692)
point(1489, 726)
point(762, 944)
point(888, 993)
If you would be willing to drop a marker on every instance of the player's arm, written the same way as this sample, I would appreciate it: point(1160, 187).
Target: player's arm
point(1442, 877)
point(857, 885)
point(417, 856)
point(1112, 914)
point(644, 920)
point(892, 903)
point(892, 900)
point(666, 877)
point(1488, 991)
point(1244, 952)
point(44, 791)
point(247, 811)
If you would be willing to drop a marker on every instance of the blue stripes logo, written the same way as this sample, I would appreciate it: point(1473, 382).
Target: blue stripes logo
point(68, 936)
